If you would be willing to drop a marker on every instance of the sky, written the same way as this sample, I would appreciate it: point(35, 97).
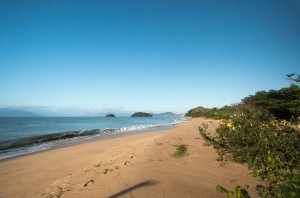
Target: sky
point(155, 56)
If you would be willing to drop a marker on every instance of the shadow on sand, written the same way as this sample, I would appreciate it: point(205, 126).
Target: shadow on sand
point(127, 190)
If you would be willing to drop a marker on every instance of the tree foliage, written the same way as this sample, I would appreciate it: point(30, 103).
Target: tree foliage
point(258, 132)
point(283, 103)
point(215, 113)
point(294, 78)
point(270, 147)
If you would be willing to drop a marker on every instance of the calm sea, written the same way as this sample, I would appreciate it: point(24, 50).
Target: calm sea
point(19, 136)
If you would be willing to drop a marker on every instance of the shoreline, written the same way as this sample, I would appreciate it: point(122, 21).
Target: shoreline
point(65, 142)
point(90, 139)
point(141, 163)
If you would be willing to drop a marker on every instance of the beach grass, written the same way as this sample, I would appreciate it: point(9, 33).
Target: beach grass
point(181, 150)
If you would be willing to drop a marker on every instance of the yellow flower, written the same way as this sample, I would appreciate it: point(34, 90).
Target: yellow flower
point(274, 123)
point(284, 122)
point(229, 124)
point(263, 126)
point(298, 126)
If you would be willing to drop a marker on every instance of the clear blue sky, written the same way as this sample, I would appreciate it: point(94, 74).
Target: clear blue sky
point(151, 55)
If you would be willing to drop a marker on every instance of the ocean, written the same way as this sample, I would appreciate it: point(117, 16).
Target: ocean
point(19, 136)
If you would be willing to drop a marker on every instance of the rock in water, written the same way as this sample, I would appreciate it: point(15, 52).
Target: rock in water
point(110, 116)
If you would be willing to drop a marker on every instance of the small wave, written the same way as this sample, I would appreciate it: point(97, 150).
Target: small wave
point(138, 127)
point(55, 136)
point(68, 135)
point(44, 142)
point(24, 150)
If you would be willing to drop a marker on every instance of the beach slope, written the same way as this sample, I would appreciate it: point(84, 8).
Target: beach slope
point(138, 165)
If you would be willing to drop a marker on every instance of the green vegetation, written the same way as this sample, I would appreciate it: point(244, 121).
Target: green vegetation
point(283, 104)
point(141, 114)
point(294, 78)
point(256, 132)
point(238, 192)
point(271, 148)
point(181, 150)
point(215, 113)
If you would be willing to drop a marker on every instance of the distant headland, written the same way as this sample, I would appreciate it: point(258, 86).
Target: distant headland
point(7, 112)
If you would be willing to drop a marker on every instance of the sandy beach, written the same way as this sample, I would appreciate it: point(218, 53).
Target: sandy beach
point(137, 165)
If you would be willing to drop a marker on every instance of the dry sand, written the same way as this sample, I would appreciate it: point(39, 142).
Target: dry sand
point(133, 166)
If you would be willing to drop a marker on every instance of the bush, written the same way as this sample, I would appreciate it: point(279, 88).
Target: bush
point(238, 192)
point(271, 148)
point(180, 150)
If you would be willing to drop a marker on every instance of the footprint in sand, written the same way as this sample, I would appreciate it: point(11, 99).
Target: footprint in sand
point(88, 183)
point(126, 163)
point(107, 170)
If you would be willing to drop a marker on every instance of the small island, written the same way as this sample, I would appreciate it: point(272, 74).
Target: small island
point(110, 115)
point(141, 114)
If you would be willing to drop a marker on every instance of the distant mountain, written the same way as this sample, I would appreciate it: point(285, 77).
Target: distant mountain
point(165, 114)
point(7, 112)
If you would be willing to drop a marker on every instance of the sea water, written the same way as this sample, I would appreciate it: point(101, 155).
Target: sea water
point(19, 136)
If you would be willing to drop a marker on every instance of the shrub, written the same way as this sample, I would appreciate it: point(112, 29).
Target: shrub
point(271, 148)
point(180, 150)
point(238, 192)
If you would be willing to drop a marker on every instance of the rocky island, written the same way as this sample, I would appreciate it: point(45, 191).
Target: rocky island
point(141, 114)
point(110, 115)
